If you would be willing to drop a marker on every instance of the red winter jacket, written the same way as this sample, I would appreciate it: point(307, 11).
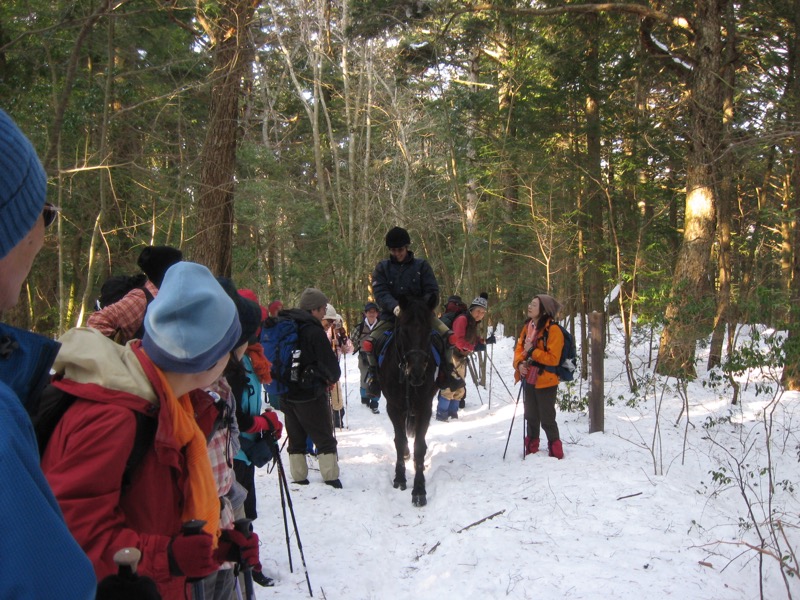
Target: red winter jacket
point(86, 457)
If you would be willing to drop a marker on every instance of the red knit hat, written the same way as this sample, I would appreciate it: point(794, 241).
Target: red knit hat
point(275, 307)
point(251, 295)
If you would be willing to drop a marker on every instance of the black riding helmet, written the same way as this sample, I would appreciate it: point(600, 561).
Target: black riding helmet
point(397, 238)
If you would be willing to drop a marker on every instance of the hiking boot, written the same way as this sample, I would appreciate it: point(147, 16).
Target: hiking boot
point(373, 406)
point(375, 410)
point(442, 417)
point(263, 580)
point(334, 483)
point(531, 446)
point(556, 450)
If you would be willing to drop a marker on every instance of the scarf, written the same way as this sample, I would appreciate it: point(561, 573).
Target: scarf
point(531, 338)
point(200, 492)
point(261, 364)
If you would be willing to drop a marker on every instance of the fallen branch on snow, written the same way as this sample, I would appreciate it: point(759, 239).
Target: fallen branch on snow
point(500, 512)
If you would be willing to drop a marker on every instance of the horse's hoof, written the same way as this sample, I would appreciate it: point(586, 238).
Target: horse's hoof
point(419, 499)
point(400, 484)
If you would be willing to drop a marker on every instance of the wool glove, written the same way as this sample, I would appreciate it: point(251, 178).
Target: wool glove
point(235, 547)
point(192, 555)
point(491, 339)
point(480, 347)
point(267, 421)
point(396, 311)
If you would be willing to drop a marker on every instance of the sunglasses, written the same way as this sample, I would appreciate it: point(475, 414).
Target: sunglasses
point(49, 213)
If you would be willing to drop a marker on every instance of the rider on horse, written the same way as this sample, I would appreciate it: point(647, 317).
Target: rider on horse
point(403, 275)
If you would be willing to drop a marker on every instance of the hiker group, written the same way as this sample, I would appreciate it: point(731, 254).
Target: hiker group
point(144, 429)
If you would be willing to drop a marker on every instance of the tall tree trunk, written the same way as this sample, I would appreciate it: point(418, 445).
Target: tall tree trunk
point(688, 316)
point(593, 168)
point(727, 193)
point(791, 369)
point(232, 52)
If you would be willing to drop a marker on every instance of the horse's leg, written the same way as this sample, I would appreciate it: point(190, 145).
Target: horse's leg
point(418, 493)
point(397, 417)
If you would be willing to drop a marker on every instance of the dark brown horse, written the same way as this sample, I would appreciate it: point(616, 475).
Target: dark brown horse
point(408, 380)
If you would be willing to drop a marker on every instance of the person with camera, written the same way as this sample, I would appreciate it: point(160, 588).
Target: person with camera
point(305, 406)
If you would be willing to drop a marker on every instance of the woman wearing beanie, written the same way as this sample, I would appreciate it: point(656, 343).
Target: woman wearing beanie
point(145, 395)
point(465, 340)
point(541, 344)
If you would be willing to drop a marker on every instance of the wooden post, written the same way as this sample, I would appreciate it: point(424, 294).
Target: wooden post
point(597, 392)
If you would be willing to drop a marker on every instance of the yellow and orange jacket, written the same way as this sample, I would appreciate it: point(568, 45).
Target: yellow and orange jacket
point(549, 356)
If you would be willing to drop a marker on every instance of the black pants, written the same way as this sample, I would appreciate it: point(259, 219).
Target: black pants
point(309, 418)
point(246, 476)
point(540, 411)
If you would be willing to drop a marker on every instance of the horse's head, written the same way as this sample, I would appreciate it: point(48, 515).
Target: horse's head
point(413, 331)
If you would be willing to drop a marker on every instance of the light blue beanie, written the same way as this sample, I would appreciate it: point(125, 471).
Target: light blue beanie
point(23, 185)
point(192, 322)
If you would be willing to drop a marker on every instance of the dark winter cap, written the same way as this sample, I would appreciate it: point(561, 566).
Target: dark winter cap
point(155, 260)
point(312, 298)
point(23, 185)
point(371, 306)
point(191, 323)
point(248, 311)
point(481, 301)
point(397, 238)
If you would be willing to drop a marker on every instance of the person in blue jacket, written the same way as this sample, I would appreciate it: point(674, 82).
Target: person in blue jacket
point(39, 558)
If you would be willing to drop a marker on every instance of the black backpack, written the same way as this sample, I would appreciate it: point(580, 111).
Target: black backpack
point(448, 317)
point(52, 404)
point(568, 361)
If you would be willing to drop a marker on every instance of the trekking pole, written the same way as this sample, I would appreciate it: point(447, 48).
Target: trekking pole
point(346, 408)
point(491, 373)
point(245, 527)
point(510, 393)
point(282, 475)
point(521, 385)
point(473, 371)
point(285, 520)
point(195, 527)
point(126, 583)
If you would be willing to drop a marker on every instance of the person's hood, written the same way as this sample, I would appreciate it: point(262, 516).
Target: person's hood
point(93, 361)
point(551, 306)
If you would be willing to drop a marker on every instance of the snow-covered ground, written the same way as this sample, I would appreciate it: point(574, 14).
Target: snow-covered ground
point(647, 509)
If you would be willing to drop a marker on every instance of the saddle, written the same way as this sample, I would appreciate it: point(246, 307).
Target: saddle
point(384, 342)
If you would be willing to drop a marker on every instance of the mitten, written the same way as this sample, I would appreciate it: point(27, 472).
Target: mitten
point(275, 425)
point(192, 555)
point(235, 547)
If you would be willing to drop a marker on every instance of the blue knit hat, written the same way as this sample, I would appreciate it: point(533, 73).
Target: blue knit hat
point(23, 185)
point(192, 322)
